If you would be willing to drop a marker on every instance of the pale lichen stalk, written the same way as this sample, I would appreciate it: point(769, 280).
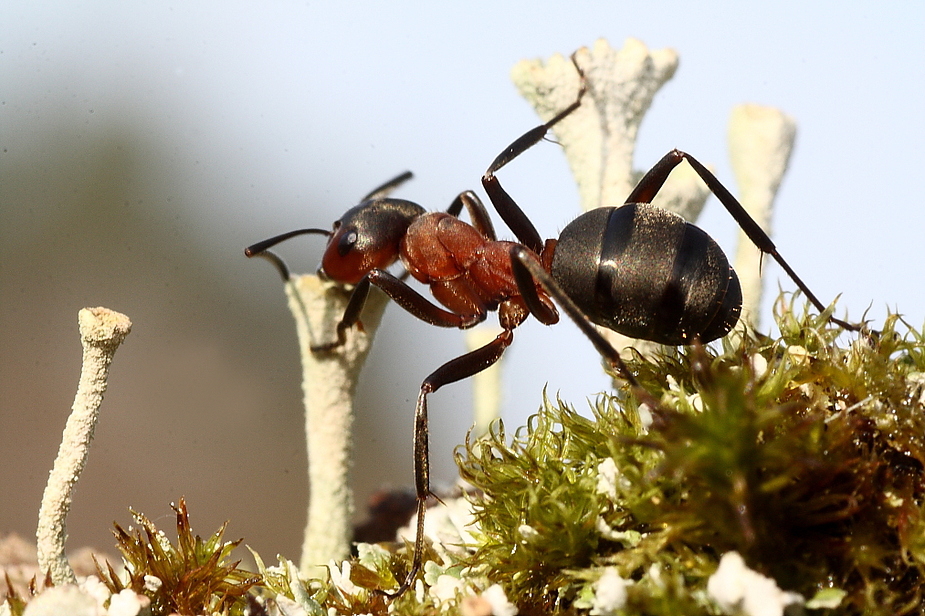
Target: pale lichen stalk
point(329, 381)
point(599, 140)
point(760, 143)
point(101, 332)
point(486, 385)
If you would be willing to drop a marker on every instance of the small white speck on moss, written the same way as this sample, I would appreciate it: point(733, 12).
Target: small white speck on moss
point(446, 589)
point(528, 532)
point(340, 577)
point(607, 473)
point(153, 583)
point(738, 589)
point(127, 603)
point(496, 597)
point(609, 593)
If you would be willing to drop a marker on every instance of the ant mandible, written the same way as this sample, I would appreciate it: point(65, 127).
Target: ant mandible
point(637, 269)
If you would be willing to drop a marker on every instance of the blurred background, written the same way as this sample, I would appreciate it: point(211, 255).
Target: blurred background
point(143, 145)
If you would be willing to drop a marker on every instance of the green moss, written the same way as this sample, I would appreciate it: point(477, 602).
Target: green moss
point(802, 453)
point(805, 454)
point(192, 577)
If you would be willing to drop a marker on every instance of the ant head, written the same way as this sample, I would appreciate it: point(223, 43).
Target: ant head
point(367, 237)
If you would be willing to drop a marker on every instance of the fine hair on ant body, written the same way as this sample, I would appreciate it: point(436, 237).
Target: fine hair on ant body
point(636, 269)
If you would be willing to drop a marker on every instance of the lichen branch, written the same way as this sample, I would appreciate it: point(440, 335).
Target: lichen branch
point(760, 142)
point(101, 332)
point(329, 381)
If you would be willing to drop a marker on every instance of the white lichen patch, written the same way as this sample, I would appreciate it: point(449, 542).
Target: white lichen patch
point(609, 593)
point(740, 590)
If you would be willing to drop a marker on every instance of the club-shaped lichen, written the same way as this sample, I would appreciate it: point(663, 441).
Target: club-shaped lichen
point(101, 332)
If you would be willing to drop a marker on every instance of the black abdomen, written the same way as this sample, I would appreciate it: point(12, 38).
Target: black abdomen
point(645, 272)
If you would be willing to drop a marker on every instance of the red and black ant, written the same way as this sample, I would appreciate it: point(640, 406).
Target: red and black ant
point(636, 269)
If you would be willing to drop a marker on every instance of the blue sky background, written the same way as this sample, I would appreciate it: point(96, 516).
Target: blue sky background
point(269, 116)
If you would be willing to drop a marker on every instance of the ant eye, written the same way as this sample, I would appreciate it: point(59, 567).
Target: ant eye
point(347, 242)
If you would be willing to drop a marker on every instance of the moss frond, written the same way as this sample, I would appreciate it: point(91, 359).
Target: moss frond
point(15, 603)
point(191, 577)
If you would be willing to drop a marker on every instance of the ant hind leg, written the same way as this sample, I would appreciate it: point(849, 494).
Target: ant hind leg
point(652, 182)
point(454, 370)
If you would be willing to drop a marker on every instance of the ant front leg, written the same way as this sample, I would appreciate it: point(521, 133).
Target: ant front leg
point(454, 370)
point(506, 207)
point(403, 295)
point(653, 181)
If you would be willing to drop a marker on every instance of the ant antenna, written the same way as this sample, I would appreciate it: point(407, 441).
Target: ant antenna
point(261, 249)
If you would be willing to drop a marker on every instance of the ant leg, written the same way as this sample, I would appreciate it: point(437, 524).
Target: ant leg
point(652, 182)
point(418, 305)
point(351, 317)
point(654, 178)
point(477, 212)
point(507, 208)
point(386, 188)
point(454, 370)
point(403, 295)
point(527, 272)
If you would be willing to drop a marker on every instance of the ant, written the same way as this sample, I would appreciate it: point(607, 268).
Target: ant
point(636, 269)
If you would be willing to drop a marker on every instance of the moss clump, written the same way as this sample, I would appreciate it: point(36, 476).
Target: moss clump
point(192, 577)
point(803, 455)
